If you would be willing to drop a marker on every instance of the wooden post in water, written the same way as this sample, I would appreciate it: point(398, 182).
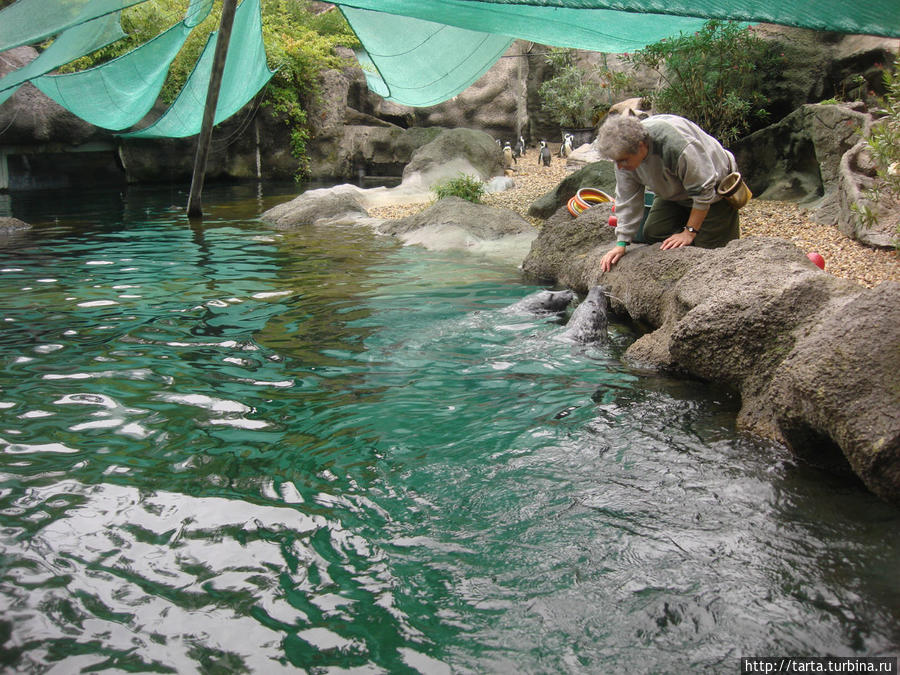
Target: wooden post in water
point(194, 208)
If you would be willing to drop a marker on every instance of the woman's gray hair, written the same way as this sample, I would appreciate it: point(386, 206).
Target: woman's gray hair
point(621, 135)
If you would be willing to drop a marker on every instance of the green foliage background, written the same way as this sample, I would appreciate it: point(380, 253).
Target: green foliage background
point(716, 77)
point(299, 44)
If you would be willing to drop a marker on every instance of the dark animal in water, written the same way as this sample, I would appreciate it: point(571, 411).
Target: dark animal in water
point(544, 154)
point(544, 302)
point(588, 322)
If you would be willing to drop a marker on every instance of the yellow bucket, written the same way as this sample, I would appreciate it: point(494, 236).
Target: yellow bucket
point(735, 190)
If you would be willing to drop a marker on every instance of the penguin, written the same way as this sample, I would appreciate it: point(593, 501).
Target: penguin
point(544, 154)
point(520, 146)
point(508, 157)
point(567, 148)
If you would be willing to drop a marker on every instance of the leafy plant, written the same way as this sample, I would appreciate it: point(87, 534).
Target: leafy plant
point(575, 96)
point(465, 187)
point(883, 140)
point(714, 77)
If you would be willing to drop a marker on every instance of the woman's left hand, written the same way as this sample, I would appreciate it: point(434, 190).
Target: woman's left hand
point(683, 238)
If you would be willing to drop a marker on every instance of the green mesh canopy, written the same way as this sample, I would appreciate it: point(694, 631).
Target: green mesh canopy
point(415, 52)
point(29, 21)
point(118, 93)
point(417, 62)
point(244, 75)
point(70, 45)
point(405, 49)
point(420, 52)
point(553, 18)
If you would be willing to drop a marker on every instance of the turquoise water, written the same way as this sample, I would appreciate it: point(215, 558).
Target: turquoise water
point(228, 449)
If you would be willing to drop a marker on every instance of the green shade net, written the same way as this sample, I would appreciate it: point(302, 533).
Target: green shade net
point(420, 63)
point(70, 45)
point(117, 94)
point(30, 21)
point(245, 73)
point(420, 52)
point(405, 49)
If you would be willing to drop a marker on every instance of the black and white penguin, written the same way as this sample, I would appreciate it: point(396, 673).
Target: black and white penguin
point(520, 147)
point(544, 154)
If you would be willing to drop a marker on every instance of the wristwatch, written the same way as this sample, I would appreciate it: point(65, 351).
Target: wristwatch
point(692, 230)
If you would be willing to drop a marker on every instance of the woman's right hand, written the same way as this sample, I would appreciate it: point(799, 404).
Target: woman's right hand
point(611, 257)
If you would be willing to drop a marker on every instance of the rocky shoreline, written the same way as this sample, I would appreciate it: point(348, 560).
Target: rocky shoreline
point(844, 257)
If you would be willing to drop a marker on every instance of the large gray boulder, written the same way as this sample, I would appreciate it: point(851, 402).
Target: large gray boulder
point(11, 229)
point(340, 205)
point(814, 358)
point(454, 223)
point(857, 177)
point(494, 103)
point(453, 152)
point(563, 238)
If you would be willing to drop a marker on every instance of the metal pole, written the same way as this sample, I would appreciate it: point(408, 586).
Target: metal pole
point(194, 208)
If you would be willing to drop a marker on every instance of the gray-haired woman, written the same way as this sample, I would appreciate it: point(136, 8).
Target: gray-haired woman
point(682, 165)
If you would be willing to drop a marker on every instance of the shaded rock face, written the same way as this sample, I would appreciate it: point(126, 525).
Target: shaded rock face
point(816, 156)
point(798, 158)
point(857, 175)
point(814, 357)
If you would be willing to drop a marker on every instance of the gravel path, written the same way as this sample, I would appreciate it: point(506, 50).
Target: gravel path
point(844, 257)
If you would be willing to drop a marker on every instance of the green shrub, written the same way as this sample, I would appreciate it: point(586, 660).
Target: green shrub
point(883, 140)
point(714, 77)
point(465, 187)
point(577, 97)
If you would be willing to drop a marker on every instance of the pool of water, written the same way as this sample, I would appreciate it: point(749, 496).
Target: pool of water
point(229, 449)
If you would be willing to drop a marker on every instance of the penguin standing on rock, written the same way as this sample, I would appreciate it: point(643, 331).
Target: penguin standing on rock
point(544, 154)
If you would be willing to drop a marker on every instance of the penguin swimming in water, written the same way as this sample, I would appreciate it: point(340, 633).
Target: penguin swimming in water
point(544, 154)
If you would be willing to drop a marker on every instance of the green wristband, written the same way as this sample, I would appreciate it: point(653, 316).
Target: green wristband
point(623, 244)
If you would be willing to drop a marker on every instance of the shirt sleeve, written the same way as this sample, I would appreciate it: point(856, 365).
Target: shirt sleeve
point(698, 175)
point(629, 205)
